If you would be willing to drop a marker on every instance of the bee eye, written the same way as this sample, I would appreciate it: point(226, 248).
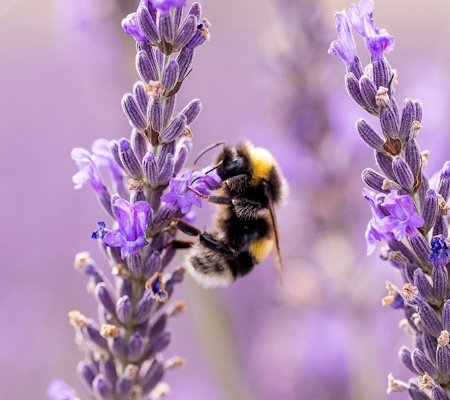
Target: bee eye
point(234, 164)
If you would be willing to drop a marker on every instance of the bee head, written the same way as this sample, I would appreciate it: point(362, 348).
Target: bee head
point(232, 161)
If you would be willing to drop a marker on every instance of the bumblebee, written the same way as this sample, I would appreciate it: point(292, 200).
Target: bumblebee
point(245, 227)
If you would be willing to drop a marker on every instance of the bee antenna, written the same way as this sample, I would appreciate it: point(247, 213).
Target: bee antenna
point(208, 149)
point(207, 172)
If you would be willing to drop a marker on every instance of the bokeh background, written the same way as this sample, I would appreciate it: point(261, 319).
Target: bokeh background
point(265, 75)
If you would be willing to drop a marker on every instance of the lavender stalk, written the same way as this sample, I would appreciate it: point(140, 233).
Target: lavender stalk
point(408, 215)
point(123, 347)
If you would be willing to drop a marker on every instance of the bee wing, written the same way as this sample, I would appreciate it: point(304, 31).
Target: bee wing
point(275, 232)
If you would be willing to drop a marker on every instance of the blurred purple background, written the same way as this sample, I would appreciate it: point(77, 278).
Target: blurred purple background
point(265, 75)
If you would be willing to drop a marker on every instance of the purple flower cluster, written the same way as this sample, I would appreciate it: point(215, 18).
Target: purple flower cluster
point(122, 350)
point(408, 214)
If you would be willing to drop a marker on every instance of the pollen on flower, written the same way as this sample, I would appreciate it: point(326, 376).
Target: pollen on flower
point(443, 206)
point(426, 382)
point(161, 390)
point(204, 29)
point(409, 292)
point(82, 260)
point(414, 130)
point(109, 331)
point(156, 288)
point(390, 185)
point(134, 184)
point(154, 89)
point(131, 371)
point(77, 319)
point(382, 97)
point(177, 308)
point(120, 270)
point(187, 132)
point(398, 257)
point(395, 385)
point(443, 339)
point(425, 155)
point(174, 362)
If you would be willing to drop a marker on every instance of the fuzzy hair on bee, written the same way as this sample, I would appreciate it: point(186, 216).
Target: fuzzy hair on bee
point(245, 224)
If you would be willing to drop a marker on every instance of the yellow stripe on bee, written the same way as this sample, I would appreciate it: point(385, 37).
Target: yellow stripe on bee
point(261, 248)
point(262, 162)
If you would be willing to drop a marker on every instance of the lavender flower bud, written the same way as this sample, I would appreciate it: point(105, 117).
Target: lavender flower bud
point(408, 117)
point(381, 73)
point(93, 335)
point(125, 288)
point(404, 355)
point(175, 129)
point(135, 265)
point(155, 113)
point(421, 247)
point(151, 171)
point(125, 383)
point(413, 157)
point(418, 110)
point(415, 393)
point(135, 346)
point(373, 179)
point(114, 147)
point(177, 18)
point(446, 316)
point(124, 309)
point(422, 364)
point(170, 75)
point(196, 10)
point(102, 388)
point(143, 309)
point(368, 91)
point(153, 264)
point(154, 375)
point(440, 226)
point(144, 67)
point(168, 108)
point(430, 320)
point(85, 374)
point(118, 347)
point(167, 170)
point(409, 272)
point(147, 25)
point(424, 186)
point(389, 121)
point(180, 159)
point(151, 54)
point(168, 148)
point(129, 160)
point(352, 86)
point(158, 344)
point(104, 297)
point(186, 32)
point(439, 276)
point(385, 164)
point(166, 27)
point(192, 110)
point(109, 370)
point(138, 144)
point(438, 393)
point(369, 135)
point(159, 326)
point(430, 345)
point(133, 112)
point(424, 286)
point(444, 181)
point(141, 96)
point(443, 353)
point(403, 173)
point(184, 61)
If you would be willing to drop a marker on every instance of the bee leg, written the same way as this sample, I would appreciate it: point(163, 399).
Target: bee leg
point(181, 244)
point(208, 241)
point(186, 228)
point(237, 182)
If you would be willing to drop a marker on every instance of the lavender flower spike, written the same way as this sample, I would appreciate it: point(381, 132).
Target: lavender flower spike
point(378, 41)
point(133, 221)
point(345, 46)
